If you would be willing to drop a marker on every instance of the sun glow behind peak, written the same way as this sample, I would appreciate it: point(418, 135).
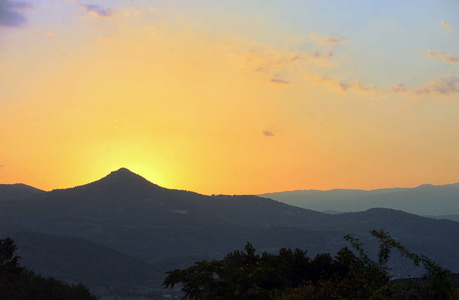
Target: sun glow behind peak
point(215, 98)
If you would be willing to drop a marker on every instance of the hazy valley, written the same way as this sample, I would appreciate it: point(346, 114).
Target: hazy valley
point(439, 201)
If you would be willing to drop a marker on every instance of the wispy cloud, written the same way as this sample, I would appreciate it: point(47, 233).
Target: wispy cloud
point(399, 88)
point(446, 26)
point(279, 81)
point(272, 58)
point(11, 13)
point(268, 133)
point(97, 11)
point(344, 86)
point(446, 57)
point(263, 62)
point(131, 12)
point(278, 64)
point(443, 86)
point(273, 62)
point(329, 41)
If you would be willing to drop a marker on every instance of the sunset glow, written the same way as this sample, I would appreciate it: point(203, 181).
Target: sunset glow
point(230, 97)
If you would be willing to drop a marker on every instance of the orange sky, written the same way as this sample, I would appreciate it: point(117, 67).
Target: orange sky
point(230, 97)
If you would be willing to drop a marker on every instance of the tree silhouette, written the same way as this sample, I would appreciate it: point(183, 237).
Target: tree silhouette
point(350, 274)
point(9, 269)
point(18, 283)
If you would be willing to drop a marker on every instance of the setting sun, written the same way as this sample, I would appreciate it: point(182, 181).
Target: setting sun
point(235, 98)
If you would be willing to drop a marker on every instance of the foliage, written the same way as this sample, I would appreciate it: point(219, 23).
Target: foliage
point(18, 283)
point(33, 286)
point(291, 274)
point(439, 284)
point(9, 268)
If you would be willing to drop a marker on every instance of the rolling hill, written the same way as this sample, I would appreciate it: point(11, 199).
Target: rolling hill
point(17, 191)
point(425, 200)
point(155, 229)
point(75, 260)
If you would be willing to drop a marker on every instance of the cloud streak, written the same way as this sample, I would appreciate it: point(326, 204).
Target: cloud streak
point(446, 57)
point(274, 62)
point(10, 13)
point(97, 11)
point(329, 41)
point(268, 133)
point(344, 86)
point(272, 58)
point(442, 86)
point(263, 62)
point(446, 26)
point(399, 88)
point(279, 81)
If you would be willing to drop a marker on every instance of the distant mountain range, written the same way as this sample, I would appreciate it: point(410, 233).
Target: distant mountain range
point(104, 231)
point(441, 201)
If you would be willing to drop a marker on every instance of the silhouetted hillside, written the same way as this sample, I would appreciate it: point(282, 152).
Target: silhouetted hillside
point(75, 260)
point(427, 199)
point(123, 209)
point(126, 213)
point(17, 191)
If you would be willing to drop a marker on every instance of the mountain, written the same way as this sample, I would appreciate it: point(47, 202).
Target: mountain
point(17, 191)
point(428, 200)
point(447, 217)
point(75, 260)
point(123, 209)
point(126, 214)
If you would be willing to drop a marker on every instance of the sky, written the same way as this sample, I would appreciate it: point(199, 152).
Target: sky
point(230, 97)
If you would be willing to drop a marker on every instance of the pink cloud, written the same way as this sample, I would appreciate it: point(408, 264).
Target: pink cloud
point(279, 81)
point(262, 62)
point(446, 57)
point(446, 26)
point(442, 86)
point(344, 86)
point(96, 10)
point(399, 88)
point(329, 40)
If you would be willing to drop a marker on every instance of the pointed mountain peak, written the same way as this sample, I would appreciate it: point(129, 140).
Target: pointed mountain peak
point(120, 182)
point(123, 172)
point(123, 176)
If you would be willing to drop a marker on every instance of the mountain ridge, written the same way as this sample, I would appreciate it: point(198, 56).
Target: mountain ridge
point(122, 178)
point(425, 199)
point(455, 184)
point(123, 174)
point(18, 191)
point(126, 213)
point(108, 205)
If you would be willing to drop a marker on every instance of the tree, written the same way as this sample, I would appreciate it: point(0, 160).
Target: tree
point(9, 269)
point(18, 283)
point(350, 274)
point(439, 284)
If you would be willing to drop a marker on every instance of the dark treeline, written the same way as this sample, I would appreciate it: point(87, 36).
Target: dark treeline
point(291, 274)
point(19, 283)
